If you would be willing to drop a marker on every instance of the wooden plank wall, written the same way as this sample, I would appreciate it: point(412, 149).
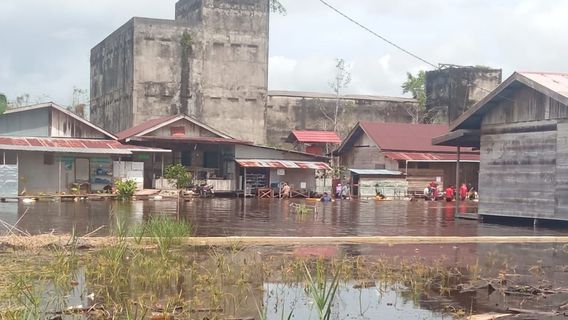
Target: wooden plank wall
point(562, 171)
point(518, 171)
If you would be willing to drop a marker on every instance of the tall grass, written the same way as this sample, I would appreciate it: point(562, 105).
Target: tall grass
point(164, 230)
point(321, 290)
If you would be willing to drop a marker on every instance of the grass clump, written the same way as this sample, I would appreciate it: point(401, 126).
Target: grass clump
point(164, 230)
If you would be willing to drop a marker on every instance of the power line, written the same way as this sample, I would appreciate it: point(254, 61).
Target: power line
point(378, 35)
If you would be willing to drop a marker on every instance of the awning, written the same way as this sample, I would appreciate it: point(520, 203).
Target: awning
point(187, 139)
point(282, 164)
point(461, 138)
point(71, 146)
point(432, 157)
point(376, 172)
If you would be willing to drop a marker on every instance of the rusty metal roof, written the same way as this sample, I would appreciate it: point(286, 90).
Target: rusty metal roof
point(557, 82)
point(406, 137)
point(188, 139)
point(71, 145)
point(154, 124)
point(432, 157)
point(312, 136)
point(282, 164)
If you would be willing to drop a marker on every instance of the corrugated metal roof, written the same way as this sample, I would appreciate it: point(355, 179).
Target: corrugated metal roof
point(314, 136)
point(157, 123)
point(433, 157)
point(376, 172)
point(407, 137)
point(282, 164)
point(557, 82)
point(191, 139)
point(71, 145)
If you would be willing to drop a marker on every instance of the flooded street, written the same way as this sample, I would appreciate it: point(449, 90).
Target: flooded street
point(367, 281)
point(265, 217)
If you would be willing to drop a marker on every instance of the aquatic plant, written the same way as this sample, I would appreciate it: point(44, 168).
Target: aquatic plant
point(125, 188)
point(321, 290)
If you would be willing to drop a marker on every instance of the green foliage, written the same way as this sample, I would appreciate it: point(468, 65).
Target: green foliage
point(125, 189)
point(3, 103)
point(178, 175)
point(415, 85)
point(164, 230)
point(321, 290)
point(186, 40)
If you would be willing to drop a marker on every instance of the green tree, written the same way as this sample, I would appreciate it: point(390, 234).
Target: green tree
point(3, 103)
point(415, 85)
point(178, 175)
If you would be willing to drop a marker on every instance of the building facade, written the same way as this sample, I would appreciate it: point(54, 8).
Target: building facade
point(211, 63)
point(521, 129)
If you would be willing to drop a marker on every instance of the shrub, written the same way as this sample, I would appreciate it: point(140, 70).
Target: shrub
point(178, 175)
point(125, 189)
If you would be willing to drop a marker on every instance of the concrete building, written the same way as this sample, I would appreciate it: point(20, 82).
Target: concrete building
point(290, 110)
point(451, 90)
point(521, 129)
point(47, 149)
point(211, 63)
point(378, 154)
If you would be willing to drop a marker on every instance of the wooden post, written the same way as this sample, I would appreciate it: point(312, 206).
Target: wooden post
point(245, 183)
point(458, 199)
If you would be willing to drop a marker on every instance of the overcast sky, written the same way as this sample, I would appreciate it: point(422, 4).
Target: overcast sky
point(45, 44)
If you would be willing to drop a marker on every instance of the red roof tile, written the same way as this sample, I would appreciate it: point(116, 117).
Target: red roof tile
point(315, 136)
point(407, 137)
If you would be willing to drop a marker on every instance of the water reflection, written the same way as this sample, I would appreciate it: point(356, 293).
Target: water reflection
point(265, 217)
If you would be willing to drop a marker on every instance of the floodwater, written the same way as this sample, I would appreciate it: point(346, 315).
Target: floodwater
point(264, 217)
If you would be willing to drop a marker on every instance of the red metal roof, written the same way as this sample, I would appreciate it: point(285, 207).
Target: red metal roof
point(417, 156)
point(407, 137)
point(282, 164)
point(188, 139)
point(315, 136)
point(70, 145)
point(143, 127)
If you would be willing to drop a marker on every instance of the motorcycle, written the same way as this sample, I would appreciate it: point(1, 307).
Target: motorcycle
point(204, 191)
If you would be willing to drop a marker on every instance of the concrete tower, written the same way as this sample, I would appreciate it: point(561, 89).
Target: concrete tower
point(211, 62)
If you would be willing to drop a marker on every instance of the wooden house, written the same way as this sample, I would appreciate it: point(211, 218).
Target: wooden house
point(45, 148)
point(521, 129)
point(378, 154)
point(215, 158)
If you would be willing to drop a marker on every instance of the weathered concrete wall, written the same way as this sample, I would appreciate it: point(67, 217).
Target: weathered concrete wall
point(34, 123)
point(36, 177)
point(452, 90)
point(161, 69)
point(211, 63)
point(287, 111)
point(112, 80)
point(231, 58)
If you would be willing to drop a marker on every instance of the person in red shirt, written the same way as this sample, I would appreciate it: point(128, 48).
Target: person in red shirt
point(463, 191)
point(449, 194)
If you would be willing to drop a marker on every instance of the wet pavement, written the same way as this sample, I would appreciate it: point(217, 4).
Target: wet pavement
point(266, 217)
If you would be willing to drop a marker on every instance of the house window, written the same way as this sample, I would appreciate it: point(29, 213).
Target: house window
point(186, 158)
point(48, 159)
point(423, 165)
point(8, 158)
point(177, 131)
